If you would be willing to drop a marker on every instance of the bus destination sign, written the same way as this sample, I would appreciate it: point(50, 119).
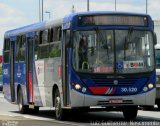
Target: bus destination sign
point(122, 20)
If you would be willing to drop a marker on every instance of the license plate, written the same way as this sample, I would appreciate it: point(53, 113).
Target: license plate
point(115, 100)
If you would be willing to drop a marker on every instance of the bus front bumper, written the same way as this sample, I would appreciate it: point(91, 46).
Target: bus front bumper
point(83, 100)
point(157, 91)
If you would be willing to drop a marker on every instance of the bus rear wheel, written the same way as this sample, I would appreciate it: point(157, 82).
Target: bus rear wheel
point(130, 112)
point(59, 111)
point(35, 110)
point(22, 108)
point(158, 104)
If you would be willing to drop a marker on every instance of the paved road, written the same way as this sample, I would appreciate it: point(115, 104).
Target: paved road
point(46, 117)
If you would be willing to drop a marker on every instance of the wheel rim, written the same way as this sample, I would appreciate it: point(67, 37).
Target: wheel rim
point(57, 106)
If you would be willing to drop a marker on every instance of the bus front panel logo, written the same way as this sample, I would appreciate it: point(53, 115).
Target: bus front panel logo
point(115, 82)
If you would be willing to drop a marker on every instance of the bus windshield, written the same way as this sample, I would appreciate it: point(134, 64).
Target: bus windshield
point(157, 54)
point(110, 51)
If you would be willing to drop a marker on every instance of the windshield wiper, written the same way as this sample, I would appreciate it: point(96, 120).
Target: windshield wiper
point(127, 40)
point(104, 42)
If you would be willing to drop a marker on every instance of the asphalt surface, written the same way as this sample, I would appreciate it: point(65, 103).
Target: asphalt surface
point(10, 116)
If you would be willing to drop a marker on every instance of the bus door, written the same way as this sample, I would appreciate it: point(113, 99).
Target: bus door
point(12, 62)
point(65, 71)
point(29, 67)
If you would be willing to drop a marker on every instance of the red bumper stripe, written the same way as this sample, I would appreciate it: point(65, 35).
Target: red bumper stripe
point(113, 91)
point(98, 90)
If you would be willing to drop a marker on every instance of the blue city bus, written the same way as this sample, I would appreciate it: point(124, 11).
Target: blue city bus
point(85, 60)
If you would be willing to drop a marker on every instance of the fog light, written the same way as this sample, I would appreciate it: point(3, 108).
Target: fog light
point(145, 89)
point(150, 85)
point(77, 86)
point(84, 89)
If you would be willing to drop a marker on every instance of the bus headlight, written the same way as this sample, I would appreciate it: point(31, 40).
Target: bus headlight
point(77, 86)
point(150, 86)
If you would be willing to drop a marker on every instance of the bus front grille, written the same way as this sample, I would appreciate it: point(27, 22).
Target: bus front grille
point(111, 82)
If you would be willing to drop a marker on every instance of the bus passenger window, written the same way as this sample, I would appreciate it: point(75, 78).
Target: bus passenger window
point(22, 48)
point(44, 45)
point(59, 33)
point(45, 37)
point(55, 50)
point(51, 35)
point(43, 51)
point(6, 50)
point(55, 34)
point(7, 44)
point(18, 41)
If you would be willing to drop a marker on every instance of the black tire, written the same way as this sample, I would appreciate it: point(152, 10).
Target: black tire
point(1, 88)
point(83, 109)
point(60, 113)
point(158, 104)
point(22, 108)
point(130, 112)
point(35, 110)
point(148, 107)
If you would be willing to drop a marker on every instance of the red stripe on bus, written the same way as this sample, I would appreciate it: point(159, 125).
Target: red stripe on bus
point(30, 87)
point(59, 71)
point(98, 90)
point(113, 91)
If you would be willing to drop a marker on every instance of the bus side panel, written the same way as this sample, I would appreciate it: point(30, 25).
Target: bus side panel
point(6, 82)
point(46, 75)
point(38, 83)
point(51, 77)
point(20, 79)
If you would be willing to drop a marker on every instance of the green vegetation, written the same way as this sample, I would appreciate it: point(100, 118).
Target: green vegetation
point(55, 52)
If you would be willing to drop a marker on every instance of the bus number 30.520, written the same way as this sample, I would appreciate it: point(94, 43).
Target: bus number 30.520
point(133, 89)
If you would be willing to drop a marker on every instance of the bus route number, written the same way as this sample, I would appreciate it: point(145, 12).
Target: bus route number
point(131, 90)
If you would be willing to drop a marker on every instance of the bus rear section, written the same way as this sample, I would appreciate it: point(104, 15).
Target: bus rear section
point(18, 73)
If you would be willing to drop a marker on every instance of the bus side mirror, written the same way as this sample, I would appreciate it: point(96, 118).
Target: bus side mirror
point(155, 39)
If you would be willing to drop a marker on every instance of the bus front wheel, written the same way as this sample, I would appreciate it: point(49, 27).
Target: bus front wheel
point(22, 108)
point(130, 112)
point(59, 111)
